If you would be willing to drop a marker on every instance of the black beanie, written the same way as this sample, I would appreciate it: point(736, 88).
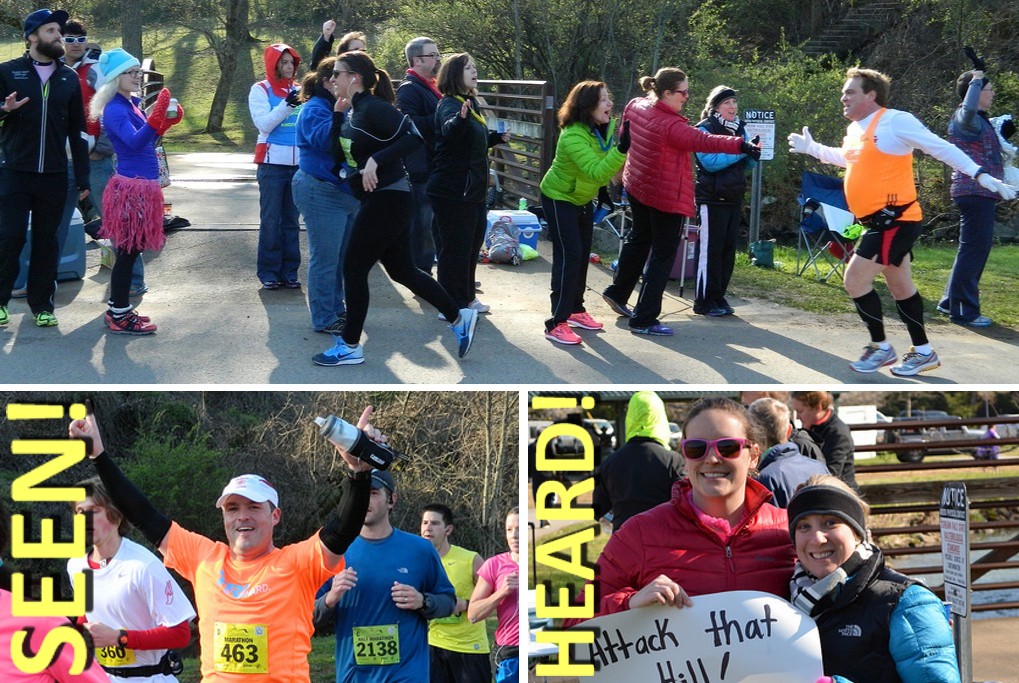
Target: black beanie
point(827, 500)
point(722, 96)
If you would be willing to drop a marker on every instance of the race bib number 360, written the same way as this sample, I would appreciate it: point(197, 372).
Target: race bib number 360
point(115, 656)
point(241, 648)
point(377, 644)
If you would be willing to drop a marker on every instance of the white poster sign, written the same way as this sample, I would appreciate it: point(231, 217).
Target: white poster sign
point(734, 637)
point(761, 122)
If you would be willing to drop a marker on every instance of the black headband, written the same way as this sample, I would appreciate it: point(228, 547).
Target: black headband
point(722, 97)
point(827, 500)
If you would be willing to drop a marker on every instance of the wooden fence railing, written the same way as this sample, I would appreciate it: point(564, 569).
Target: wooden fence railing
point(528, 109)
point(997, 491)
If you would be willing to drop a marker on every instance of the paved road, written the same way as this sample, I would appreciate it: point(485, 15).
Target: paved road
point(217, 326)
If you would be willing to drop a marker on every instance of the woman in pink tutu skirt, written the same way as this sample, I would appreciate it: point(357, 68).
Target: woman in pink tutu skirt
point(133, 200)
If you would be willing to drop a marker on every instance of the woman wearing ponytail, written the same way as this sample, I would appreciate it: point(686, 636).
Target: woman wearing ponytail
point(585, 160)
point(658, 178)
point(133, 200)
point(459, 180)
point(721, 184)
point(876, 625)
point(375, 139)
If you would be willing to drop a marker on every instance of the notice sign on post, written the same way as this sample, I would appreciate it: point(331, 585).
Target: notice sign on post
point(737, 636)
point(955, 546)
point(762, 122)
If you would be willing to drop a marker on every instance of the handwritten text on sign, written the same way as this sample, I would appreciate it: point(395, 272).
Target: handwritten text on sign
point(735, 637)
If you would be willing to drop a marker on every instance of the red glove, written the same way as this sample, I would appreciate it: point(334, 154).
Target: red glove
point(157, 118)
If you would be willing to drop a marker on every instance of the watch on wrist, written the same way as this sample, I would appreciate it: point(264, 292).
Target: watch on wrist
point(426, 603)
point(122, 638)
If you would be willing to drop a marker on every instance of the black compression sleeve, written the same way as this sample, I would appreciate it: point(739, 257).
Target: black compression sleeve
point(345, 523)
point(132, 502)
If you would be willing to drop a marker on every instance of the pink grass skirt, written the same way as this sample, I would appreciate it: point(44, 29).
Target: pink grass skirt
point(133, 214)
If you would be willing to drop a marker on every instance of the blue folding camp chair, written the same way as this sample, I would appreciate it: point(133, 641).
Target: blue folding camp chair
point(820, 247)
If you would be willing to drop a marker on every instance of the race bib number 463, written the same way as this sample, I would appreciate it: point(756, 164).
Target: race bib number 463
point(377, 644)
point(241, 648)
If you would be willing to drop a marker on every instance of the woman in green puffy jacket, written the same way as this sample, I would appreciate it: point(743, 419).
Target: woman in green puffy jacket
point(585, 160)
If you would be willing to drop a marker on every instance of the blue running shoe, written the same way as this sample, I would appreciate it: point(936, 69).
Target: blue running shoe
point(340, 354)
point(464, 329)
point(914, 363)
point(874, 358)
point(979, 321)
point(653, 330)
point(622, 310)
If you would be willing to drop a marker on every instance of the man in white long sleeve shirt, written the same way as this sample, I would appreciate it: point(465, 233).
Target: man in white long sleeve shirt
point(877, 154)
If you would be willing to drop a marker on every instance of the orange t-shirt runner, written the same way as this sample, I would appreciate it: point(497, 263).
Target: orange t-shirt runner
point(254, 617)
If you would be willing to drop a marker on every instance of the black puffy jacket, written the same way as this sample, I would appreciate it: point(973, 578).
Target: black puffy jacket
point(728, 185)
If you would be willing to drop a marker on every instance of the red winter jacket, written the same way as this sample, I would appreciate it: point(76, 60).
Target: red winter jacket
point(669, 539)
point(658, 170)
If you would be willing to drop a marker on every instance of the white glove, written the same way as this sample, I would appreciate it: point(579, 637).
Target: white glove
point(989, 182)
point(327, 28)
point(802, 144)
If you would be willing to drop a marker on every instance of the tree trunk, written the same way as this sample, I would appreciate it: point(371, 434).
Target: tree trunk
point(237, 12)
point(131, 27)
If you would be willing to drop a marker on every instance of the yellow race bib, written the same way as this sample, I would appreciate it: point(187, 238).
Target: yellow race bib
point(115, 656)
point(241, 648)
point(377, 644)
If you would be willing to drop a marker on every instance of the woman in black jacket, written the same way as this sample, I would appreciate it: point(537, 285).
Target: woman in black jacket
point(459, 181)
point(375, 139)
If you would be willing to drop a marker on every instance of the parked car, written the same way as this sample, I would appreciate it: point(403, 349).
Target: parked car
point(928, 438)
point(675, 434)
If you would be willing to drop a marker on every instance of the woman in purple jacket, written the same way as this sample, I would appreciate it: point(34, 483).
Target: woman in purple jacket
point(133, 200)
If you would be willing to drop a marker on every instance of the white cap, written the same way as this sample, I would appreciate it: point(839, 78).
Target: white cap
point(252, 487)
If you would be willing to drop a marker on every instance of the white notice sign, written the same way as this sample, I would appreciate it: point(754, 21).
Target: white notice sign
point(761, 122)
point(955, 546)
point(734, 637)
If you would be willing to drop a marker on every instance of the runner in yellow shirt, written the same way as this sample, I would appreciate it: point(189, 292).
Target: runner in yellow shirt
point(254, 600)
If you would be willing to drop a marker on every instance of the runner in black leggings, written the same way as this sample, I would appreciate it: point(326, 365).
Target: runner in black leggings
point(376, 138)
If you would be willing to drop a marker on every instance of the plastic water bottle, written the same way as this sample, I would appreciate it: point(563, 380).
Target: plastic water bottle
point(523, 204)
point(355, 441)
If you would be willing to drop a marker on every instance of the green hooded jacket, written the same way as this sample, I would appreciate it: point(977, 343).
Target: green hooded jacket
point(646, 417)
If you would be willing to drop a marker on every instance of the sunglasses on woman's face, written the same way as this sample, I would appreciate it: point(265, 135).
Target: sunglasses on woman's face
point(728, 447)
point(75, 39)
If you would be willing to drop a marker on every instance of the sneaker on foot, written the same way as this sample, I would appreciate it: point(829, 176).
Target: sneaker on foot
point(19, 293)
point(584, 321)
point(914, 363)
point(271, 284)
point(464, 329)
point(718, 312)
point(562, 334)
point(479, 307)
point(137, 291)
point(874, 358)
point(340, 354)
point(292, 284)
point(45, 319)
point(619, 309)
point(653, 330)
point(943, 309)
point(979, 321)
point(4, 316)
point(129, 323)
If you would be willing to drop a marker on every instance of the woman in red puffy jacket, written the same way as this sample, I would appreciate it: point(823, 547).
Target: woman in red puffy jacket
point(718, 533)
point(658, 178)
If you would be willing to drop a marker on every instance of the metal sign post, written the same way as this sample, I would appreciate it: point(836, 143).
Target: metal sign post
point(955, 565)
point(759, 122)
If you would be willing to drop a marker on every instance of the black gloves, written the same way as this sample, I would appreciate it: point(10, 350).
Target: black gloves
point(624, 138)
point(293, 99)
point(603, 198)
point(978, 64)
point(1007, 128)
point(750, 149)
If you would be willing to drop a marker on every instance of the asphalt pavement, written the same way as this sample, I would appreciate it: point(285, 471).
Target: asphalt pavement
point(216, 326)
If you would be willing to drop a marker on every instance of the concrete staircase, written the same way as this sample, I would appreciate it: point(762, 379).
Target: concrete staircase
point(861, 23)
